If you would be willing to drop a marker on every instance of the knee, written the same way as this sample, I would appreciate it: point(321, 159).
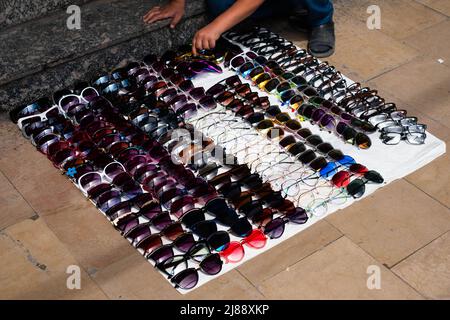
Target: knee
point(216, 7)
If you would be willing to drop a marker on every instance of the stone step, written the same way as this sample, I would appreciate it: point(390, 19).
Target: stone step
point(13, 12)
point(43, 55)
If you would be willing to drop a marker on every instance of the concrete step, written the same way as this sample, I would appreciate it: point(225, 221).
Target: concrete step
point(43, 55)
point(13, 12)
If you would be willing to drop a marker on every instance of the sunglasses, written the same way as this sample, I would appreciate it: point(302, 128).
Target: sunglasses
point(209, 263)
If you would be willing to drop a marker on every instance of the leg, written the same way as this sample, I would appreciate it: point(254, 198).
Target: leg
point(319, 19)
point(319, 12)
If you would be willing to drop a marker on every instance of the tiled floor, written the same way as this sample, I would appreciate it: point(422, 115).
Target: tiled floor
point(404, 228)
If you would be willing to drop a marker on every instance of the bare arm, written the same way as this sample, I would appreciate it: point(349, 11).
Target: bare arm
point(206, 37)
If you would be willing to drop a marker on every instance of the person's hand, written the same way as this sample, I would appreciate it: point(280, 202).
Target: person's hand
point(206, 38)
point(174, 10)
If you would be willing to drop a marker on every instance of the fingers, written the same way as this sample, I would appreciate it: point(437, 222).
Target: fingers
point(175, 20)
point(201, 42)
point(159, 16)
point(194, 45)
point(151, 13)
point(205, 44)
point(212, 43)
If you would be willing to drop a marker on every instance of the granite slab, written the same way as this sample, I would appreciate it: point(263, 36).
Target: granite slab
point(31, 47)
point(14, 12)
point(43, 83)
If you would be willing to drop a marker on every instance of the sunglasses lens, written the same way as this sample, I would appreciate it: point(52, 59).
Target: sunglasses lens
point(346, 160)
point(318, 163)
point(349, 134)
point(304, 133)
point(271, 85)
point(356, 188)
point(293, 125)
point(336, 154)
point(207, 102)
point(212, 264)
point(184, 242)
point(266, 124)
point(287, 95)
point(373, 176)
point(341, 179)
point(324, 148)
point(237, 61)
point(286, 141)
point(299, 81)
point(252, 209)
point(186, 279)
point(296, 148)
point(234, 252)
point(192, 217)
point(216, 89)
point(185, 201)
point(197, 93)
point(256, 72)
point(241, 227)
point(251, 55)
point(219, 240)
point(186, 85)
point(161, 254)
point(264, 77)
point(314, 140)
point(150, 243)
point(275, 228)
point(216, 206)
point(283, 87)
point(256, 239)
point(273, 111)
point(341, 127)
point(233, 81)
point(363, 141)
point(358, 168)
point(299, 216)
point(317, 115)
point(283, 117)
point(308, 111)
point(255, 117)
point(246, 67)
point(307, 156)
point(173, 231)
point(329, 170)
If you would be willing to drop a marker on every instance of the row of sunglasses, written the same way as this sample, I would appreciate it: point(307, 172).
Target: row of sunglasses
point(295, 161)
point(165, 79)
point(242, 103)
point(82, 143)
point(141, 159)
point(277, 66)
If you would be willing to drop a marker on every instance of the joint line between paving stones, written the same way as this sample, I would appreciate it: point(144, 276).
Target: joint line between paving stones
point(415, 251)
point(432, 9)
point(429, 195)
point(308, 255)
point(421, 55)
point(387, 267)
point(36, 214)
point(251, 283)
